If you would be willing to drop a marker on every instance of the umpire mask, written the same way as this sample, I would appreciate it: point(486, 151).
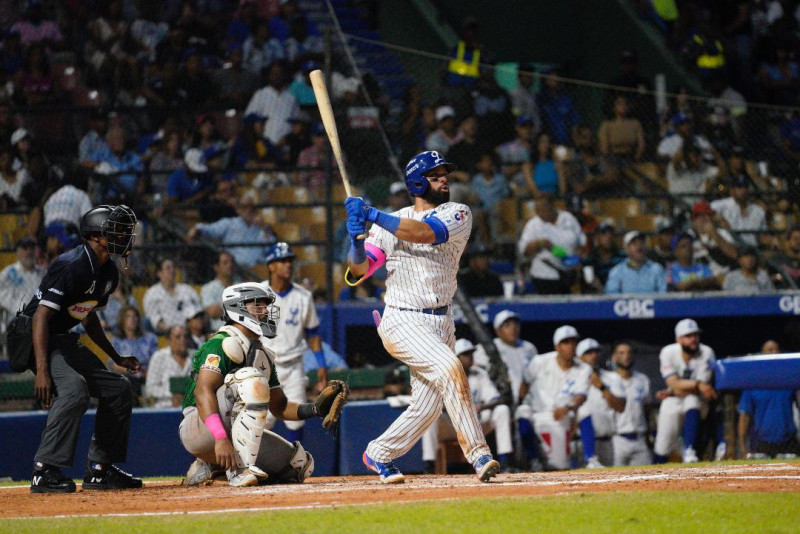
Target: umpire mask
point(116, 223)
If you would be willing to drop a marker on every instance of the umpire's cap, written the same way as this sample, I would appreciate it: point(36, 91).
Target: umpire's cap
point(279, 251)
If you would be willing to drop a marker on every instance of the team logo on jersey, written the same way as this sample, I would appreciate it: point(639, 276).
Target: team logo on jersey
point(91, 288)
point(293, 319)
point(81, 310)
point(212, 360)
point(460, 215)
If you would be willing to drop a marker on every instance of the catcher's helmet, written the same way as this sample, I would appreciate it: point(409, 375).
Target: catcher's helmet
point(419, 166)
point(116, 223)
point(234, 306)
point(279, 251)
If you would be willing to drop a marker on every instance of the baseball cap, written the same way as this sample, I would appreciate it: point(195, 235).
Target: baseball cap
point(443, 112)
point(664, 224)
point(524, 119)
point(677, 239)
point(18, 135)
point(686, 327)
point(586, 345)
point(748, 250)
point(502, 317)
point(464, 345)
point(630, 236)
point(195, 161)
point(397, 187)
point(702, 208)
point(607, 225)
point(679, 118)
point(564, 332)
point(251, 118)
point(279, 251)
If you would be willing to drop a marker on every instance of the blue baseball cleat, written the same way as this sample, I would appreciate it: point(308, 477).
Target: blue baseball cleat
point(486, 467)
point(388, 472)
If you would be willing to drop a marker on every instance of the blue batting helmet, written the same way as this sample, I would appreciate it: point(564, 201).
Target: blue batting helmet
point(279, 251)
point(420, 165)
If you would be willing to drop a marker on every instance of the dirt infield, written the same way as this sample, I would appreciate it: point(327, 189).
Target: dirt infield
point(171, 498)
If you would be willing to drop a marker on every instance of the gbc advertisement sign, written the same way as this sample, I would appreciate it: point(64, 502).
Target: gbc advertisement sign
point(635, 308)
point(790, 304)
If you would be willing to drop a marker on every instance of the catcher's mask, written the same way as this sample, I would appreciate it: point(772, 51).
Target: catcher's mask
point(262, 321)
point(116, 223)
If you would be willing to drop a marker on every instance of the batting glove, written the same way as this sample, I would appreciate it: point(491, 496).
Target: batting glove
point(356, 227)
point(355, 207)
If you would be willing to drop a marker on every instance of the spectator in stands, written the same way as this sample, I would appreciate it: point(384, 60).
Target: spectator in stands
point(130, 338)
point(557, 108)
point(446, 134)
point(741, 214)
point(302, 46)
point(311, 161)
point(19, 280)
point(94, 140)
point(640, 102)
point(661, 252)
point(417, 122)
point(779, 78)
point(684, 274)
point(748, 278)
point(120, 298)
point(12, 57)
point(280, 25)
point(637, 274)
point(766, 427)
point(64, 209)
point(605, 255)
point(211, 292)
point(35, 29)
point(587, 171)
point(548, 175)
point(261, 49)
point(621, 137)
point(245, 236)
point(583, 212)
point(206, 137)
point(490, 187)
point(234, 84)
point(465, 153)
point(34, 83)
point(703, 49)
point(170, 361)
point(523, 101)
point(275, 102)
point(492, 106)
point(196, 330)
point(294, 143)
point(192, 182)
point(787, 260)
point(193, 83)
point(108, 42)
point(12, 182)
point(726, 114)
point(166, 158)
point(242, 24)
point(517, 152)
point(735, 168)
point(688, 175)
point(550, 237)
point(221, 203)
point(301, 87)
point(683, 130)
point(149, 30)
point(713, 245)
point(398, 197)
point(21, 143)
point(465, 59)
point(678, 106)
point(477, 279)
point(167, 302)
point(120, 166)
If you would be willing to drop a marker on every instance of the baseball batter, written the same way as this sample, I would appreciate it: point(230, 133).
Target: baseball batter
point(596, 415)
point(232, 387)
point(630, 439)
point(554, 386)
point(494, 415)
point(421, 246)
point(686, 366)
point(297, 330)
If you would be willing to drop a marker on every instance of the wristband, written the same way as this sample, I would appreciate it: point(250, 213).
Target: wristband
point(307, 410)
point(357, 254)
point(214, 425)
point(384, 220)
point(320, 356)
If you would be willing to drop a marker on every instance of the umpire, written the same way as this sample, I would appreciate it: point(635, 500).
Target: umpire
point(77, 284)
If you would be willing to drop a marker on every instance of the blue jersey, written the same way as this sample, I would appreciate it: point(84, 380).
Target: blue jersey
point(771, 410)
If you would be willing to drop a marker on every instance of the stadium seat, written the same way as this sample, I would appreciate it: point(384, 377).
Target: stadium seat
point(288, 195)
point(307, 253)
point(305, 215)
point(261, 271)
point(618, 208)
point(286, 231)
point(316, 231)
point(507, 211)
point(7, 258)
point(642, 223)
point(269, 215)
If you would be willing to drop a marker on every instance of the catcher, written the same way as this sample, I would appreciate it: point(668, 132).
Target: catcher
point(232, 386)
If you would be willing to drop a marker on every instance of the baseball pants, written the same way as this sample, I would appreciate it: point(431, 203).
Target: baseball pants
point(554, 435)
point(77, 376)
point(630, 450)
point(604, 450)
point(195, 435)
point(670, 421)
point(497, 419)
point(425, 344)
point(294, 383)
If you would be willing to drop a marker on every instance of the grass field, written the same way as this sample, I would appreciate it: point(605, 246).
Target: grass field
point(615, 512)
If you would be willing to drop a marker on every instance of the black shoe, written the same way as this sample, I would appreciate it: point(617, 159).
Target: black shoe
point(430, 468)
point(111, 478)
point(51, 480)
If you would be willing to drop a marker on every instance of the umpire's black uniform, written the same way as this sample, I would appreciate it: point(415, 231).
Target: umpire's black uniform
point(76, 285)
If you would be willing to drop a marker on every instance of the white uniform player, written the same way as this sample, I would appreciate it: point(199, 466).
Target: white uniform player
point(630, 439)
point(298, 322)
point(687, 367)
point(421, 246)
point(554, 386)
point(605, 395)
point(516, 353)
point(493, 415)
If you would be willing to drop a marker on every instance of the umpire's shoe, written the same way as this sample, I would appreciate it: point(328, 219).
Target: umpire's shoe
point(50, 479)
point(109, 478)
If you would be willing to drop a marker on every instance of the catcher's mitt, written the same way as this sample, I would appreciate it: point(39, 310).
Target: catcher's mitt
point(330, 403)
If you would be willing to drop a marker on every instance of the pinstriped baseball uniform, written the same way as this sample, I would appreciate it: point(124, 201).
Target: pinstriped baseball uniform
point(423, 276)
point(630, 444)
point(602, 415)
point(297, 314)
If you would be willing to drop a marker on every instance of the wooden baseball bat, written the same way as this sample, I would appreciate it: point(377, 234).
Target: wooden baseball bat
point(326, 112)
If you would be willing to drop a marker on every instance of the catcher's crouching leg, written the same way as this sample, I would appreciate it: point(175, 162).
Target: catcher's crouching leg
point(284, 462)
point(249, 389)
